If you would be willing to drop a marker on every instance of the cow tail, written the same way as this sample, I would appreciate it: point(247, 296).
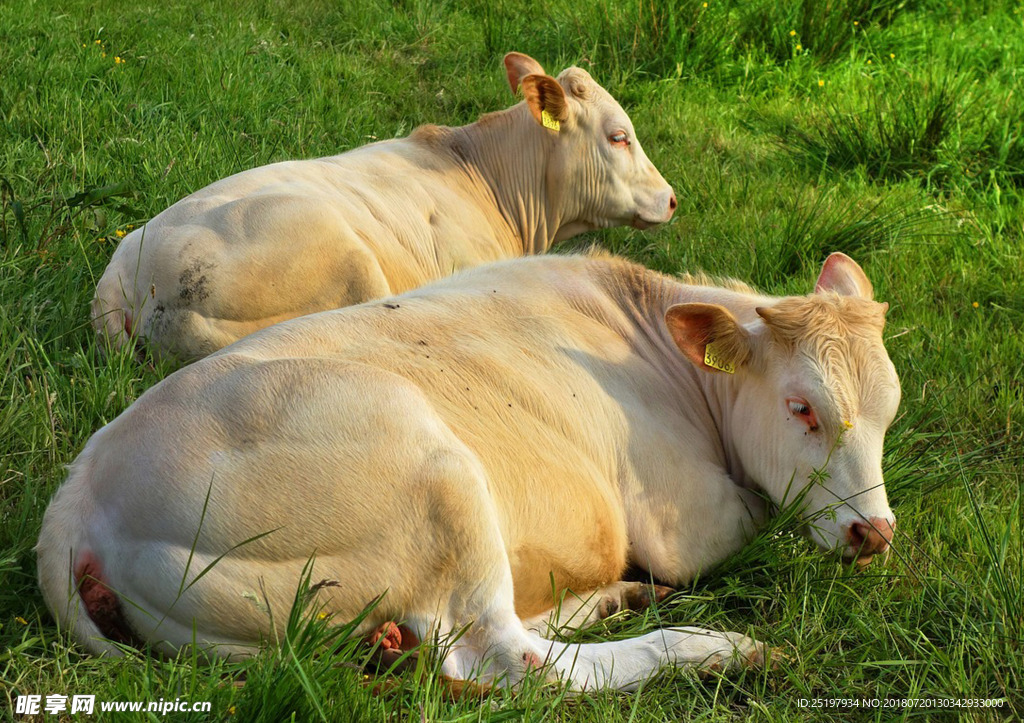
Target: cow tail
point(67, 566)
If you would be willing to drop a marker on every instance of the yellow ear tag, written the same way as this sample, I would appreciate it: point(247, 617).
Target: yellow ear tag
point(549, 121)
point(713, 358)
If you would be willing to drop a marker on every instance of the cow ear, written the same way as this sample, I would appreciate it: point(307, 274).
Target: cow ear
point(709, 336)
point(842, 275)
point(544, 95)
point(517, 67)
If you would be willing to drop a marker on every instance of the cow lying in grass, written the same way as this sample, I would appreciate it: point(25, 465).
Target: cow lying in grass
point(293, 238)
point(462, 446)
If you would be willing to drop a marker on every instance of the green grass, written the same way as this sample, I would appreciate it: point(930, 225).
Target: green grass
point(898, 139)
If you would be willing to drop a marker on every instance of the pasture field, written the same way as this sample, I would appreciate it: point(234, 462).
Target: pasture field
point(892, 130)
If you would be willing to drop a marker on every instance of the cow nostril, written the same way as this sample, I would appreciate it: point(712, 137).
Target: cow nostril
point(857, 534)
point(870, 537)
point(672, 202)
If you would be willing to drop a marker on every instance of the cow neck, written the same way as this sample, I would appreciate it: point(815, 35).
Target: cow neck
point(504, 152)
point(719, 390)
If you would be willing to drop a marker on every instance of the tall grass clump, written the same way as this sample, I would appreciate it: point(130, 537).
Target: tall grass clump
point(824, 29)
point(681, 38)
point(900, 132)
point(814, 225)
point(999, 156)
point(672, 38)
point(305, 669)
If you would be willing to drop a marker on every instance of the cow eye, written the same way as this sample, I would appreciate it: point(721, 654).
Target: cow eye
point(619, 138)
point(800, 409)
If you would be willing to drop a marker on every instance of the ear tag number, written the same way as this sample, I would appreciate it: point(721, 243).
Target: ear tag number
point(550, 121)
point(713, 358)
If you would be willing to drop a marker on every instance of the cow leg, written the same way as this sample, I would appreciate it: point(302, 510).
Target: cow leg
point(577, 611)
point(625, 664)
point(498, 648)
point(505, 652)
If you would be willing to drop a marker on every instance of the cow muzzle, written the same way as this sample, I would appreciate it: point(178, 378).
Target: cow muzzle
point(867, 538)
point(642, 220)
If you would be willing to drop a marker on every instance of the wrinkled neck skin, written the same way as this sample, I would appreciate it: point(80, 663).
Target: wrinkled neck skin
point(722, 390)
point(719, 390)
point(517, 181)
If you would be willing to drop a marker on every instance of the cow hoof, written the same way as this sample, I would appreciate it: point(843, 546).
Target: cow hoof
point(607, 607)
point(634, 596)
point(773, 659)
point(640, 596)
point(739, 653)
point(761, 656)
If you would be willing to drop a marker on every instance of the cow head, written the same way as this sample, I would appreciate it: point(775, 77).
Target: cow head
point(813, 397)
point(596, 165)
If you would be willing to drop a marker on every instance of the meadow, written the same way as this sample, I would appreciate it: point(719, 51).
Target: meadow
point(891, 130)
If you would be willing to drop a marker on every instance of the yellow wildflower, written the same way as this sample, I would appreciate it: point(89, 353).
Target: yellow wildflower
point(821, 83)
point(321, 616)
point(99, 42)
point(705, 4)
point(847, 424)
point(892, 56)
point(103, 55)
point(856, 22)
point(231, 710)
point(792, 33)
point(974, 304)
point(118, 60)
point(869, 62)
point(21, 620)
point(799, 47)
point(119, 233)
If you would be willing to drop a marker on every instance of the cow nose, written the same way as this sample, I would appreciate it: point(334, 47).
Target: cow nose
point(871, 537)
point(672, 202)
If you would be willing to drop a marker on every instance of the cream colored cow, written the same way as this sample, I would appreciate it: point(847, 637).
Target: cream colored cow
point(297, 237)
point(462, 446)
